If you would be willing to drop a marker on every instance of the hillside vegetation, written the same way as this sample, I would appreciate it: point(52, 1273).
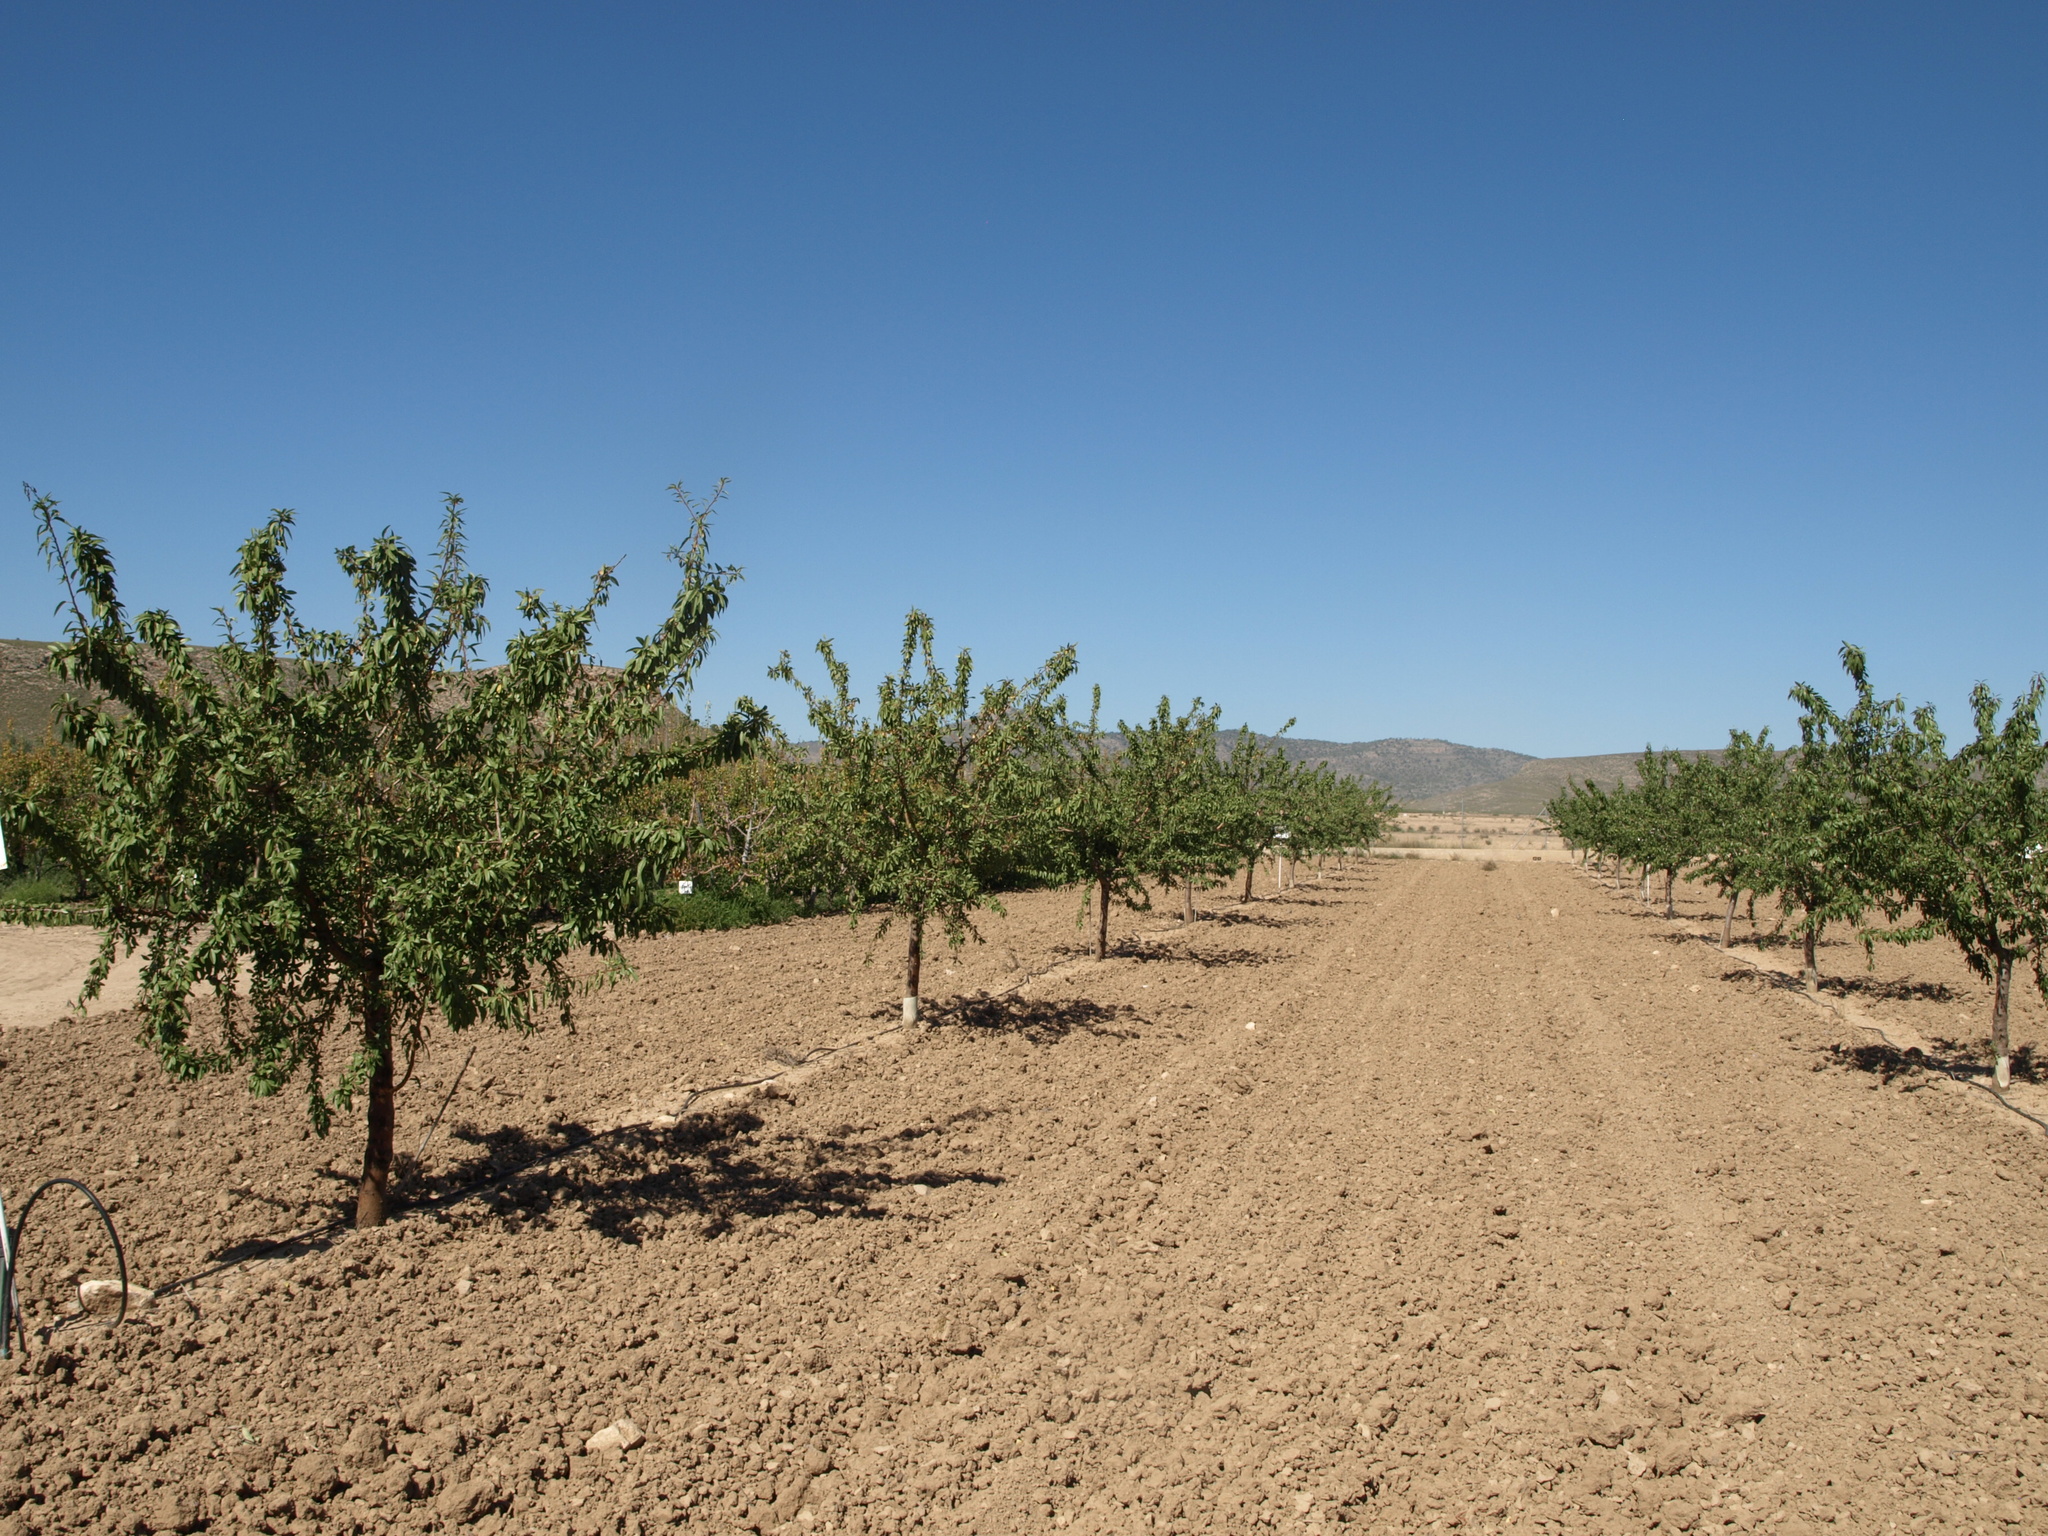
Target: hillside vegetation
point(1530, 787)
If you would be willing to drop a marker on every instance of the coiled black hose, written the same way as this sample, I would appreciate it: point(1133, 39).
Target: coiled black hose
point(11, 1323)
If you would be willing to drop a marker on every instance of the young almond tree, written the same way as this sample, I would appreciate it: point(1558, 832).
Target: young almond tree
point(1172, 760)
point(1737, 799)
point(1670, 820)
point(58, 781)
point(934, 802)
point(1253, 807)
point(1101, 822)
point(346, 835)
point(1975, 866)
point(1584, 815)
point(1325, 813)
point(1829, 857)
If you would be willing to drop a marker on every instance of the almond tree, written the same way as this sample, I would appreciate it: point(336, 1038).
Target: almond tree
point(1668, 818)
point(1584, 816)
point(1829, 858)
point(1102, 822)
point(1139, 808)
point(934, 802)
point(1324, 813)
point(1252, 806)
point(348, 834)
point(57, 781)
point(1974, 867)
point(1180, 784)
point(1737, 801)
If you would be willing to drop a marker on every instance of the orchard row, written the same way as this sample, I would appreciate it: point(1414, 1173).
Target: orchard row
point(1871, 819)
point(352, 837)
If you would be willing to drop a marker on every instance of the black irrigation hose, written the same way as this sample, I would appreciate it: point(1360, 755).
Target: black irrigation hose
point(11, 1323)
point(2024, 1114)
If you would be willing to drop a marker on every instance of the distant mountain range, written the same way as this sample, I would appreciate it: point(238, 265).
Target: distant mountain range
point(1424, 775)
point(1525, 791)
point(1414, 769)
point(28, 694)
point(1445, 776)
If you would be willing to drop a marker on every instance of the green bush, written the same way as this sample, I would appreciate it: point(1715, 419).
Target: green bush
point(36, 886)
point(719, 906)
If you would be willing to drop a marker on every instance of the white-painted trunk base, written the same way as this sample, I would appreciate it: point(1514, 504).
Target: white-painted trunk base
point(2005, 1071)
point(910, 1010)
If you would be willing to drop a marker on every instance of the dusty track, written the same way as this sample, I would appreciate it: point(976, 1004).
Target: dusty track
point(1496, 1219)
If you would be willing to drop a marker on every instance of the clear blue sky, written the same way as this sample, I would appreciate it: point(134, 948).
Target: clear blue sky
point(1556, 377)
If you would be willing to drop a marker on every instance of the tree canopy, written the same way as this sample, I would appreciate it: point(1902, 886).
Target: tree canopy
point(345, 835)
point(933, 802)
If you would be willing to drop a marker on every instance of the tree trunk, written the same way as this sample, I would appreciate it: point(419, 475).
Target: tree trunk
point(1812, 968)
point(2001, 1043)
point(1187, 900)
point(1102, 917)
point(1249, 865)
point(1728, 927)
point(913, 969)
point(376, 1180)
point(1670, 906)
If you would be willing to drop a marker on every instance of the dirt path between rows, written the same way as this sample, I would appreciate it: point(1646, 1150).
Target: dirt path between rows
point(41, 970)
point(1514, 1208)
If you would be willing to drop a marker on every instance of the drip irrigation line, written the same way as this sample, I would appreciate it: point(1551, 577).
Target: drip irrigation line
point(1954, 1075)
point(419, 1157)
point(11, 1321)
point(555, 1154)
point(693, 1097)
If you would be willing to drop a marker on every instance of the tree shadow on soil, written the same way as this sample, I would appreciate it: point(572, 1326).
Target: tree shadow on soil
point(1959, 1057)
point(1777, 981)
point(1213, 959)
point(707, 1172)
point(1230, 917)
point(1173, 948)
point(1877, 989)
point(1868, 988)
point(1044, 1020)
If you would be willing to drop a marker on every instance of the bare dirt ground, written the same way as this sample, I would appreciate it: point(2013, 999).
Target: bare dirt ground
point(41, 970)
point(1452, 835)
point(1429, 1197)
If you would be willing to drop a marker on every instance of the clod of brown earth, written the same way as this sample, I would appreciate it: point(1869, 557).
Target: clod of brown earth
point(1493, 1222)
point(175, 1509)
point(620, 1435)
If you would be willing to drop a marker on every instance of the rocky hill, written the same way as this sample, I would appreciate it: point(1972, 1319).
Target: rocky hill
point(1414, 768)
point(28, 694)
point(1524, 792)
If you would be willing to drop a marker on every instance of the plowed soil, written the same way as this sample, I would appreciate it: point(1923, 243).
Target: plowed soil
point(1426, 1197)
